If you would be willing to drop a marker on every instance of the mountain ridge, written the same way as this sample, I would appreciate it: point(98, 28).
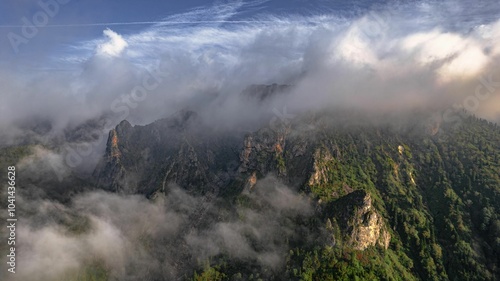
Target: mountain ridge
point(333, 161)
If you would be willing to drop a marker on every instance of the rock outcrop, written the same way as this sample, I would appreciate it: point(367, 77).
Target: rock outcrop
point(360, 224)
point(145, 159)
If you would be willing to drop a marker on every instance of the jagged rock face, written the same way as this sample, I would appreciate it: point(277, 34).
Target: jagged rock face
point(322, 158)
point(361, 225)
point(265, 92)
point(363, 176)
point(145, 159)
point(264, 152)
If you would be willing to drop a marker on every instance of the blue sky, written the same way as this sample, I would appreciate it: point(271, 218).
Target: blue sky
point(125, 11)
point(57, 36)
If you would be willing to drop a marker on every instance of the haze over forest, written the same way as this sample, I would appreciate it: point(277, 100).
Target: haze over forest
point(252, 140)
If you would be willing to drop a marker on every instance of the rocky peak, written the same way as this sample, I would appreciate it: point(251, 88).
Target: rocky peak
point(114, 151)
point(319, 174)
point(264, 92)
point(123, 126)
point(360, 224)
point(145, 159)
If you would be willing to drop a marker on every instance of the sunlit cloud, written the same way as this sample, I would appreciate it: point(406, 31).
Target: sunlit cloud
point(114, 46)
point(208, 57)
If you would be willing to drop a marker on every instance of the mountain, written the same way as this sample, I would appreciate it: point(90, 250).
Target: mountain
point(144, 159)
point(393, 198)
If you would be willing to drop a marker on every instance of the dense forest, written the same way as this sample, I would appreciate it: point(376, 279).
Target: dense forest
point(439, 194)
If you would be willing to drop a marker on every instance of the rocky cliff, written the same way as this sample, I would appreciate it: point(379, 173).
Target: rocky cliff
point(376, 185)
point(144, 159)
point(360, 223)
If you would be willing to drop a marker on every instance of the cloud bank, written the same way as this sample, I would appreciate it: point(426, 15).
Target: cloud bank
point(380, 60)
point(130, 237)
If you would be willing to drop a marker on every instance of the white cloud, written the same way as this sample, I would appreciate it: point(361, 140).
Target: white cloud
point(115, 45)
point(380, 60)
point(456, 56)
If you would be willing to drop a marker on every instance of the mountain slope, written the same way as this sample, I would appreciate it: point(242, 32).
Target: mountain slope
point(396, 202)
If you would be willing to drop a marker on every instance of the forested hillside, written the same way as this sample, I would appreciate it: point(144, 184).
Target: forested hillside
point(319, 198)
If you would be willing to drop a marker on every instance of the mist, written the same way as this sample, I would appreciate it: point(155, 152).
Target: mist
point(131, 237)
